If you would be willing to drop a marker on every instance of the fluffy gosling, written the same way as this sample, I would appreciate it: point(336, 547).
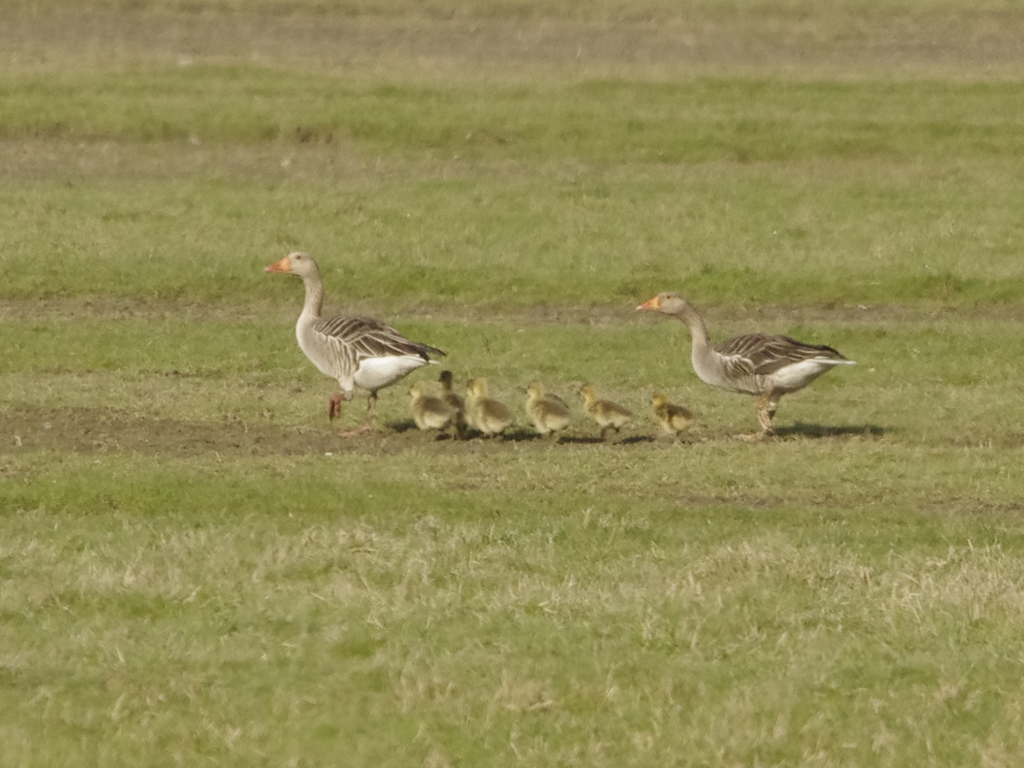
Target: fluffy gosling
point(455, 401)
point(484, 413)
point(605, 413)
point(672, 418)
point(549, 413)
point(429, 412)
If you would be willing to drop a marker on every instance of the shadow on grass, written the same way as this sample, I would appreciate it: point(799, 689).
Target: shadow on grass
point(581, 440)
point(475, 435)
point(636, 439)
point(404, 425)
point(527, 436)
point(801, 429)
point(449, 433)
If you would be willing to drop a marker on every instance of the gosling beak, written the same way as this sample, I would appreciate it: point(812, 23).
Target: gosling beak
point(284, 265)
point(654, 303)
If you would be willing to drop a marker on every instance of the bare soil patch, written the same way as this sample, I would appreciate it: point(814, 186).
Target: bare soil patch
point(91, 430)
point(98, 431)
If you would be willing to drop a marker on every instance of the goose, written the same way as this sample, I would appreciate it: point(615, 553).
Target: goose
point(605, 413)
point(672, 418)
point(549, 413)
point(484, 413)
point(357, 351)
point(758, 364)
point(429, 412)
point(455, 401)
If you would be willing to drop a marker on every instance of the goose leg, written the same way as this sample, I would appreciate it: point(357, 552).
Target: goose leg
point(366, 426)
point(773, 404)
point(334, 406)
point(765, 405)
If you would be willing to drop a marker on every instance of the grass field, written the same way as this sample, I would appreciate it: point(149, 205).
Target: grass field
point(196, 569)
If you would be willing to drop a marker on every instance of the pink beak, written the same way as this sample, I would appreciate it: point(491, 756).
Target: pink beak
point(284, 265)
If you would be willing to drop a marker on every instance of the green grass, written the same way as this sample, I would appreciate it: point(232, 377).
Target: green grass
point(728, 233)
point(594, 121)
point(195, 568)
point(264, 612)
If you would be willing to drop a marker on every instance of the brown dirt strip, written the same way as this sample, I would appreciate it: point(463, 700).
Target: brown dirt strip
point(91, 430)
point(74, 429)
point(80, 430)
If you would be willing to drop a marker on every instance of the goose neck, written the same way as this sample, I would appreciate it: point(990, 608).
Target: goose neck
point(314, 298)
point(698, 330)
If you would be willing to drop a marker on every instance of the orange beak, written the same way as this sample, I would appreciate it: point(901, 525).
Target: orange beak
point(284, 265)
point(654, 303)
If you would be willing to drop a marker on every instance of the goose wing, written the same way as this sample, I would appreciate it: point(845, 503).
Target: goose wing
point(762, 354)
point(366, 338)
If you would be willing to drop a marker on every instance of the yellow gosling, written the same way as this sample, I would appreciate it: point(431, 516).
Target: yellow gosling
point(606, 414)
point(484, 413)
point(456, 401)
point(549, 413)
point(672, 418)
point(429, 412)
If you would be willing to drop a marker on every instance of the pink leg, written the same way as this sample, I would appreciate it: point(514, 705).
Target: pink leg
point(366, 426)
point(766, 405)
point(334, 408)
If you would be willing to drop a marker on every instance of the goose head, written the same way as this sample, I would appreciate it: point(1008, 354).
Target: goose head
point(535, 391)
point(296, 263)
point(669, 303)
point(476, 388)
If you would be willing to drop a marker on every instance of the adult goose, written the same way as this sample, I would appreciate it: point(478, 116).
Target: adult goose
point(357, 351)
point(758, 364)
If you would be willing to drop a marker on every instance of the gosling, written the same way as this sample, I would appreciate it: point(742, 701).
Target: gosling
point(455, 401)
point(672, 418)
point(429, 412)
point(605, 413)
point(484, 413)
point(549, 413)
